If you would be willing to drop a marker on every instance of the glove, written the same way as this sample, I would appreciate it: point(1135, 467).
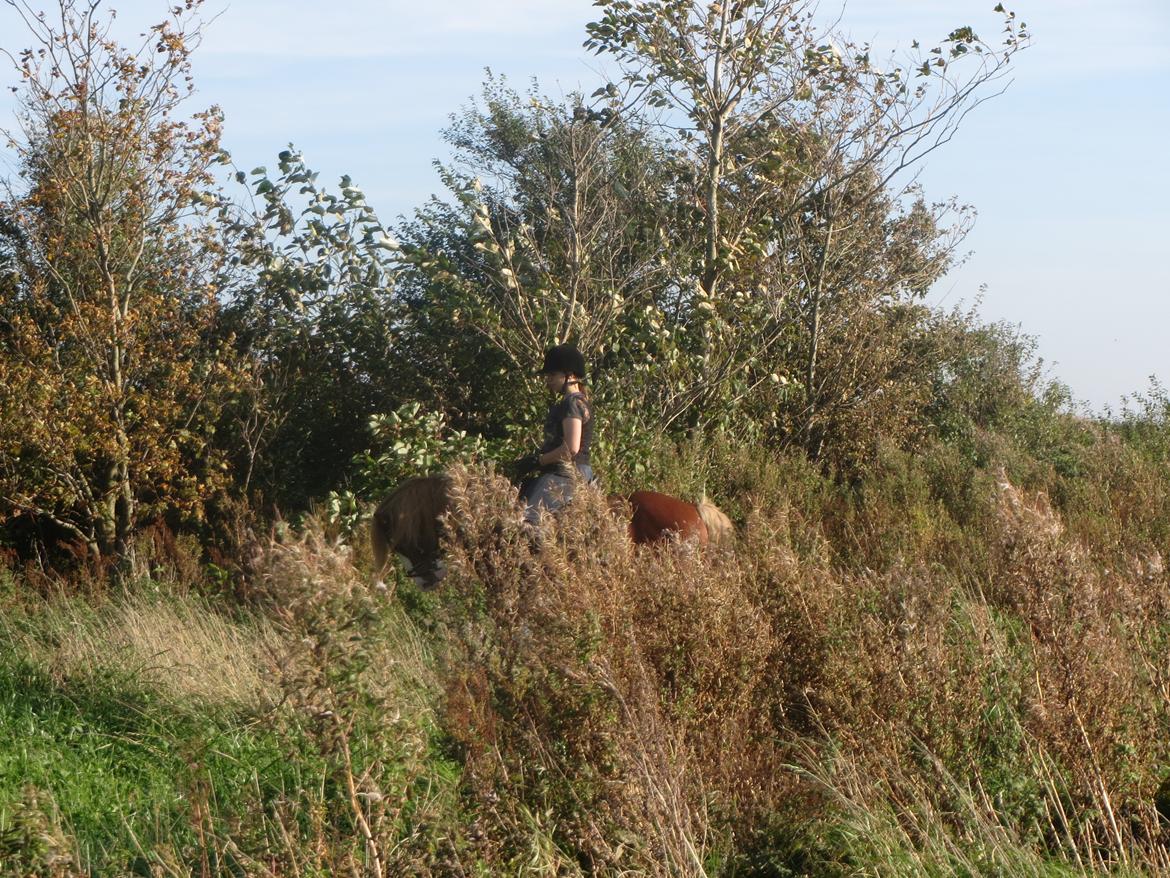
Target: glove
point(526, 464)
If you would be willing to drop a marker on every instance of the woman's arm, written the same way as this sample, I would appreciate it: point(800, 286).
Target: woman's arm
point(568, 449)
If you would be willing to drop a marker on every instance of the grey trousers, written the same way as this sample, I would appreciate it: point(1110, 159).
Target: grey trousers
point(550, 491)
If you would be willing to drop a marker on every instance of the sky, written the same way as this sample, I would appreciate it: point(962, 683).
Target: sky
point(1068, 169)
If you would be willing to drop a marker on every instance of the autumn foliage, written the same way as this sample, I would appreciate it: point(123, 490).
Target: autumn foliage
point(114, 375)
point(935, 646)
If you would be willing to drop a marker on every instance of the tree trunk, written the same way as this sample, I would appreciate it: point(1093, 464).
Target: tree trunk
point(720, 112)
point(714, 177)
point(124, 505)
point(813, 442)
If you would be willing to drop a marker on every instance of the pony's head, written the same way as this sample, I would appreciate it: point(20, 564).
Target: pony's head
point(407, 523)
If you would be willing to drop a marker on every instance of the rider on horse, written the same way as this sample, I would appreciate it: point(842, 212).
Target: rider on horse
point(568, 431)
point(410, 521)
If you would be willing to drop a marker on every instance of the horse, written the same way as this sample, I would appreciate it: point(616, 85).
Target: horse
point(408, 523)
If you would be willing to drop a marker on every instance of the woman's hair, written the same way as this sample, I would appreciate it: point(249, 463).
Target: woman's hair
point(582, 387)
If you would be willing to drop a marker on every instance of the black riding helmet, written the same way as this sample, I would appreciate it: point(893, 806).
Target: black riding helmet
point(564, 358)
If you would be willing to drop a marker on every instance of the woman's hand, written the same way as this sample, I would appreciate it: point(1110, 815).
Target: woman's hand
point(524, 465)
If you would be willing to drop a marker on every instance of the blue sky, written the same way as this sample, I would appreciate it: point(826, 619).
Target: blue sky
point(1068, 169)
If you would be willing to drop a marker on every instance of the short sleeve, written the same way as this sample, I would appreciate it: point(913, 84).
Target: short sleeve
point(577, 408)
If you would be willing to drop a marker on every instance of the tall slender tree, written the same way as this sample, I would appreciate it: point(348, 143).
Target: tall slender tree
point(745, 81)
point(111, 376)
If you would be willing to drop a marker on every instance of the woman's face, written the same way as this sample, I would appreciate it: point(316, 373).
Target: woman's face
point(554, 381)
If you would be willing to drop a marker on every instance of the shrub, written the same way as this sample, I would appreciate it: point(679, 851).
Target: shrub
point(623, 694)
point(656, 710)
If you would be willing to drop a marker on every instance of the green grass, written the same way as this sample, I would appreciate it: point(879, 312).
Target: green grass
point(127, 767)
point(151, 730)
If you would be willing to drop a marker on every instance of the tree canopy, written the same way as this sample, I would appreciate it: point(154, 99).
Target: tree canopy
point(727, 231)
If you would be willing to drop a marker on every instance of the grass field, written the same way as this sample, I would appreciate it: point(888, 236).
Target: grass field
point(959, 669)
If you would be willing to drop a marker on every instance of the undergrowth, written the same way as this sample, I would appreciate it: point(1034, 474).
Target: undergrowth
point(955, 667)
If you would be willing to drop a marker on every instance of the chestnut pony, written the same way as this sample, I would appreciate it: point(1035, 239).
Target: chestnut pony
point(407, 523)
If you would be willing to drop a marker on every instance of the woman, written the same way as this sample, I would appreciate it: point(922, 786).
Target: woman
point(568, 431)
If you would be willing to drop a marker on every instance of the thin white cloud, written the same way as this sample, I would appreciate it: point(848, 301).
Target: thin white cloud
point(312, 29)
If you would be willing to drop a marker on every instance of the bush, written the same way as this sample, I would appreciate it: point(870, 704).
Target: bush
point(637, 708)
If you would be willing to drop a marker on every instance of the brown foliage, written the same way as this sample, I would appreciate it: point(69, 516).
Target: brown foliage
point(112, 377)
point(623, 692)
point(641, 705)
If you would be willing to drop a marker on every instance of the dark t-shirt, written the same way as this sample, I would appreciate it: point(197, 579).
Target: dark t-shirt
point(574, 405)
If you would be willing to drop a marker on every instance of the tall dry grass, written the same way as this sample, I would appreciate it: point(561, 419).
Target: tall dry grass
point(315, 670)
point(631, 695)
point(357, 682)
point(954, 672)
point(174, 643)
point(661, 707)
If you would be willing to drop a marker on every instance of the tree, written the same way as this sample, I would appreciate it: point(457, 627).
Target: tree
point(560, 200)
point(316, 320)
point(749, 76)
point(560, 228)
point(861, 257)
point(783, 122)
point(113, 373)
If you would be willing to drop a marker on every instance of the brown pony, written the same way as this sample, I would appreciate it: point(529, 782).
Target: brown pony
point(408, 524)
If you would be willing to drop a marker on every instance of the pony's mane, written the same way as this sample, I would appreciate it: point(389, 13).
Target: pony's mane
point(719, 527)
point(410, 516)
